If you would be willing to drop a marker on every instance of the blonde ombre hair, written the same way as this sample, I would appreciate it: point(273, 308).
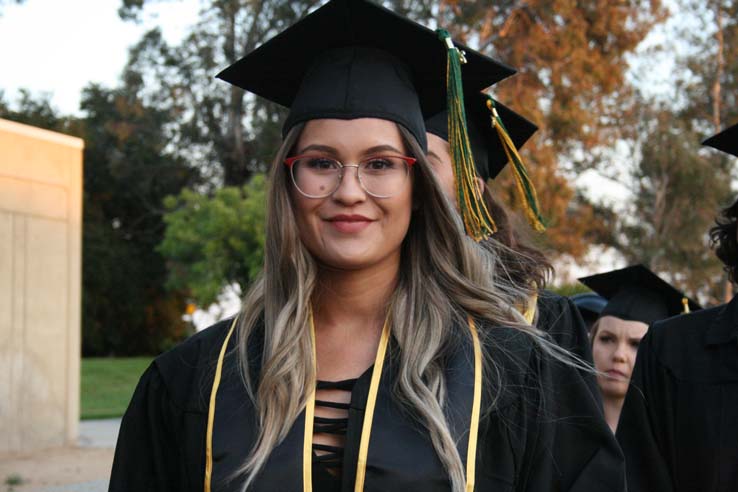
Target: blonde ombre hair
point(444, 276)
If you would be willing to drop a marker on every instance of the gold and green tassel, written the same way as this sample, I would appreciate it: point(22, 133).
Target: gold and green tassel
point(478, 223)
point(523, 183)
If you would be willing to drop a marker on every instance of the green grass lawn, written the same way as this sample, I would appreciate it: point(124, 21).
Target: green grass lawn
point(108, 384)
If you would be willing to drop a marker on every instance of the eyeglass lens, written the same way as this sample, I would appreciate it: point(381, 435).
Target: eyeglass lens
point(320, 176)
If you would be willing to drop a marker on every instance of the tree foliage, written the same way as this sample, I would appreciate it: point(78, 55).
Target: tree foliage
point(214, 242)
point(227, 134)
point(678, 190)
point(127, 173)
point(571, 57)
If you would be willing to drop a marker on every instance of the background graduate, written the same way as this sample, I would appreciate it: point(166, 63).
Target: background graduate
point(379, 351)
point(679, 425)
point(524, 264)
point(636, 298)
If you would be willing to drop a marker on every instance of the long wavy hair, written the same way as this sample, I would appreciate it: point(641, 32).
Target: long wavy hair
point(444, 277)
point(526, 265)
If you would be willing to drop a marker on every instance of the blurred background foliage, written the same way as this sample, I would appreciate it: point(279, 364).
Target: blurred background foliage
point(175, 160)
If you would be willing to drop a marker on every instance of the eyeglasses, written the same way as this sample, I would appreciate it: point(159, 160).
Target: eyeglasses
point(317, 176)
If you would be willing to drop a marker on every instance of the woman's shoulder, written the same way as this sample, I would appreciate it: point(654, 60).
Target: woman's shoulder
point(183, 370)
point(510, 350)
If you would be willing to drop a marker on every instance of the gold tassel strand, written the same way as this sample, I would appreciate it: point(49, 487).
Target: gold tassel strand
point(523, 183)
point(477, 220)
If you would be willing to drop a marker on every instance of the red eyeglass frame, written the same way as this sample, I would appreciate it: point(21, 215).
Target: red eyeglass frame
point(408, 160)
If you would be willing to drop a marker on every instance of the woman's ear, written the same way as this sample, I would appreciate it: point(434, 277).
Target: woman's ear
point(480, 183)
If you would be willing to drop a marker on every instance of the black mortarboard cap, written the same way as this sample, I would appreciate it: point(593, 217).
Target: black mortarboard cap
point(489, 155)
point(352, 59)
point(589, 305)
point(635, 293)
point(726, 140)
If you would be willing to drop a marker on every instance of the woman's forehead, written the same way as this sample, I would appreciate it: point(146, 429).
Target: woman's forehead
point(623, 327)
point(354, 135)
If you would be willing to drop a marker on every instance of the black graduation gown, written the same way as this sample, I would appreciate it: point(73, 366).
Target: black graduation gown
point(545, 433)
point(679, 424)
point(559, 317)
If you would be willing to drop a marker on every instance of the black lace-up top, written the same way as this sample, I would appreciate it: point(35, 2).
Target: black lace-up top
point(328, 460)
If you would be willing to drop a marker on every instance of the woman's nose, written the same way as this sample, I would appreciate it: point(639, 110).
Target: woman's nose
point(349, 189)
point(621, 353)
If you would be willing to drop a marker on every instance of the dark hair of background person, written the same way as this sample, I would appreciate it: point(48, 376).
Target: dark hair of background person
point(723, 239)
point(527, 265)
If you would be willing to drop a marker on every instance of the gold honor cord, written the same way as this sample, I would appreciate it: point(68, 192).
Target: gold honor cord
point(307, 442)
point(685, 306)
point(530, 309)
point(471, 455)
point(211, 409)
point(366, 429)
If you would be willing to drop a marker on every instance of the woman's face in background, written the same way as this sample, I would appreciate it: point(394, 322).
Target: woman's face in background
point(439, 156)
point(351, 229)
point(614, 349)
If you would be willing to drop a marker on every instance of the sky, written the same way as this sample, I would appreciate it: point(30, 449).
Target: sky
point(59, 46)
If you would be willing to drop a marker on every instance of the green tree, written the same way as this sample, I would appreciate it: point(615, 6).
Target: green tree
point(571, 58)
point(677, 190)
point(128, 172)
point(213, 242)
point(227, 134)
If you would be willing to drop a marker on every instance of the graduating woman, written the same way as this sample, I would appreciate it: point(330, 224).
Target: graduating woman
point(679, 425)
point(636, 298)
point(378, 351)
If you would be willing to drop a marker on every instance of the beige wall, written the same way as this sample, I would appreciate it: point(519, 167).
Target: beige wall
point(40, 283)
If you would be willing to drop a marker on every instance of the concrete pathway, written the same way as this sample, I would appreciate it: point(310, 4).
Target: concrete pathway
point(85, 468)
point(98, 433)
point(95, 486)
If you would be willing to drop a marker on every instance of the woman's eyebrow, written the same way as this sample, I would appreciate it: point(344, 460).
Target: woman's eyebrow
point(319, 147)
point(382, 148)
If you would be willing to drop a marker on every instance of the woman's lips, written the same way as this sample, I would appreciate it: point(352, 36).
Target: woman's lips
point(614, 374)
point(349, 224)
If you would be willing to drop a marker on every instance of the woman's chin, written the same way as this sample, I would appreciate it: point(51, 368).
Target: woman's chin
point(344, 261)
point(613, 388)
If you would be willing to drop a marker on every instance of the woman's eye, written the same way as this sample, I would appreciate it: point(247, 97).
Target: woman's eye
point(378, 164)
point(320, 163)
point(606, 339)
point(635, 345)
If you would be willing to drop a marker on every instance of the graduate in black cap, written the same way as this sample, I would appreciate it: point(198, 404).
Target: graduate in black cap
point(526, 265)
point(378, 351)
point(679, 424)
point(636, 297)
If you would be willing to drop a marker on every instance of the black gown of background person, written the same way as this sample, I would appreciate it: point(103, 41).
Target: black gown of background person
point(679, 424)
point(542, 434)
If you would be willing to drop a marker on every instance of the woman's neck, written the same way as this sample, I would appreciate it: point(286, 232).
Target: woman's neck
point(349, 311)
point(354, 299)
point(612, 407)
